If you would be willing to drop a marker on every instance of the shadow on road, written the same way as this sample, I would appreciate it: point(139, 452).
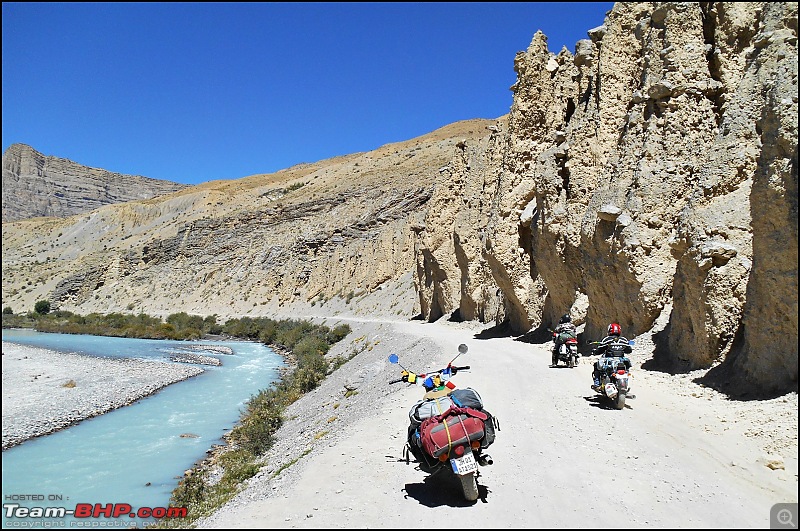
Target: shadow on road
point(431, 493)
point(601, 403)
point(501, 330)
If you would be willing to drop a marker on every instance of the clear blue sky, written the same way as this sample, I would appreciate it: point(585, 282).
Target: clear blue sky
point(193, 92)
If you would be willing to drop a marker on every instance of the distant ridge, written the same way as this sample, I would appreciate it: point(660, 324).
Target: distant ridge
point(37, 185)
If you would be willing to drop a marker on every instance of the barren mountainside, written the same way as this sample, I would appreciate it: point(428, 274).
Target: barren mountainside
point(648, 178)
point(35, 185)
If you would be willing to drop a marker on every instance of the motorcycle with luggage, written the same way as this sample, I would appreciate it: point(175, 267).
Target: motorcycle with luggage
point(614, 376)
point(567, 351)
point(449, 429)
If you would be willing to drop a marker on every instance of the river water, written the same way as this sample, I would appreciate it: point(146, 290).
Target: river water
point(134, 455)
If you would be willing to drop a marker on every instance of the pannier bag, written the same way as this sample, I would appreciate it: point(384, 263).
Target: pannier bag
point(609, 365)
point(489, 427)
point(455, 427)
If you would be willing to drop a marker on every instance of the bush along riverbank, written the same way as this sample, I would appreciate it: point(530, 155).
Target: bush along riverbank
point(203, 489)
point(177, 326)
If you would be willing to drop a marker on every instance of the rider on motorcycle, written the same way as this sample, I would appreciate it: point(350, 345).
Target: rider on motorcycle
point(614, 345)
point(565, 330)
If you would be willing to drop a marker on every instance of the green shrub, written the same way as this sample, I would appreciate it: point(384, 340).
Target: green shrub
point(256, 433)
point(339, 333)
point(239, 465)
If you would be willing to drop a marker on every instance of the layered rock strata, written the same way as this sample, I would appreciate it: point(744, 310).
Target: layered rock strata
point(36, 185)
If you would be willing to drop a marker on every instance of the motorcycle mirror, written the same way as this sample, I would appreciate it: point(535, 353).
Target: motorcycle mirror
point(462, 349)
point(394, 359)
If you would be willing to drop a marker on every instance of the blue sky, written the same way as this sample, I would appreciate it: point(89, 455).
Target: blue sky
point(193, 92)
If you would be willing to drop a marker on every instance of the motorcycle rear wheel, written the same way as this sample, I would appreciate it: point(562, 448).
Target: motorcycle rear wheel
point(619, 402)
point(469, 486)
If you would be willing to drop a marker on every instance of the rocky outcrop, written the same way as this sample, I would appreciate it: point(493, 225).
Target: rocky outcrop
point(648, 178)
point(655, 170)
point(35, 185)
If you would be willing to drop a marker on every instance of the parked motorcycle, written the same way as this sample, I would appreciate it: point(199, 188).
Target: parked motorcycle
point(615, 375)
point(449, 429)
point(567, 351)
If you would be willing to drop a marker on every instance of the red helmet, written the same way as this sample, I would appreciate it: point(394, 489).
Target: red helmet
point(614, 330)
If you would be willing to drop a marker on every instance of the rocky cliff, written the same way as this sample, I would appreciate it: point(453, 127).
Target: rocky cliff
point(653, 171)
point(649, 178)
point(35, 185)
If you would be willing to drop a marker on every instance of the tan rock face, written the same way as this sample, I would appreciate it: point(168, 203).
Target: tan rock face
point(651, 177)
point(35, 185)
point(655, 170)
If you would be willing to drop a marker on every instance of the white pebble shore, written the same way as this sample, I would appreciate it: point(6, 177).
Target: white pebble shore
point(37, 402)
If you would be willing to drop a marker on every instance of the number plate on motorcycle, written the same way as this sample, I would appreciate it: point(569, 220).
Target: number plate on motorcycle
point(464, 465)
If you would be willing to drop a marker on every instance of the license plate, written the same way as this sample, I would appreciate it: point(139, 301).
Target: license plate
point(464, 465)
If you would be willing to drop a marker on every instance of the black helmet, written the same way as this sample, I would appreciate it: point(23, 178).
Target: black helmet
point(565, 319)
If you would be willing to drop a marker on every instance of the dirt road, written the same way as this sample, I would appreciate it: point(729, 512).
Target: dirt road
point(678, 456)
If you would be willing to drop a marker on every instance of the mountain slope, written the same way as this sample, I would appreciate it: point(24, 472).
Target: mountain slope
point(35, 185)
point(307, 233)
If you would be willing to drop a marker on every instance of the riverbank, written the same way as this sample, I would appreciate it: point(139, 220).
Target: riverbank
point(45, 391)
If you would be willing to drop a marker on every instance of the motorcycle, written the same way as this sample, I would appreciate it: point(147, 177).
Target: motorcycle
point(567, 351)
point(449, 429)
point(614, 374)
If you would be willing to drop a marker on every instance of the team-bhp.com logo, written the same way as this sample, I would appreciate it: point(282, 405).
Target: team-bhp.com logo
point(90, 510)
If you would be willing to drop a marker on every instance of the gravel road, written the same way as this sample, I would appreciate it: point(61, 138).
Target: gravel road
point(678, 456)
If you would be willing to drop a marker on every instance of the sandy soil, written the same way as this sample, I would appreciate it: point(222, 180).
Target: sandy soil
point(678, 456)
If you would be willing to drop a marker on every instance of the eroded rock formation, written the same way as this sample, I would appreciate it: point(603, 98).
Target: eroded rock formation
point(655, 170)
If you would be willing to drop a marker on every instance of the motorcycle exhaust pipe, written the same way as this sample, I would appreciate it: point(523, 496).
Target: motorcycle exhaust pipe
point(485, 460)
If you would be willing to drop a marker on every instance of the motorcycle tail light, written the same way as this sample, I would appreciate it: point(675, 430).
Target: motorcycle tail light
point(459, 450)
point(620, 371)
